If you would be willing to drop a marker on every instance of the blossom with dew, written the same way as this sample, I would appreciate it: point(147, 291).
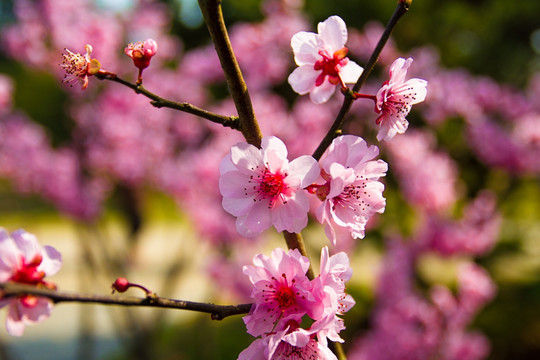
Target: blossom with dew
point(141, 52)
point(292, 342)
point(261, 188)
point(395, 99)
point(24, 261)
point(79, 67)
point(322, 61)
point(281, 290)
point(351, 191)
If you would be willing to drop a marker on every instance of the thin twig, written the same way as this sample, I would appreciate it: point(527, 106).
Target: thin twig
point(218, 312)
point(159, 102)
point(213, 17)
point(335, 130)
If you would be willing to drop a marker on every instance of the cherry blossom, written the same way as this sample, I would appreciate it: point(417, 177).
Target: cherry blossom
point(351, 192)
point(291, 343)
point(79, 67)
point(322, 61)
point(24, 261)
point(282, 291)
point(141, 52)
point(262, 188)
point(395, 98)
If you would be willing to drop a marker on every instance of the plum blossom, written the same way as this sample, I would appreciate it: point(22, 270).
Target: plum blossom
point(23, 260)
point(395, 98)
point(141, 52)
point(281, 290)
point(291, 343)
point(79, 67)
point(351, 192)
point(261, 188)
point(322, 61)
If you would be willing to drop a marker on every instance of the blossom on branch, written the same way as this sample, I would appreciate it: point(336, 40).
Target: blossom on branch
point(79, 67)
point(24, 261)
point(261, 188)
point(141, 52)
point(395, 99)
point(351, 191)
point(281, 290)
point(284, 295)
point(322, 61)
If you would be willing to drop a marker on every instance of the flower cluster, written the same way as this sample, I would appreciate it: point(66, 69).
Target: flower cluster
point(322, 64)
point(23, 260)
point(284, 295)
point(261, 188)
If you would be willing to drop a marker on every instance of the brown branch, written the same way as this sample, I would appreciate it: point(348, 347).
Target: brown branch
point(159, 102)
point(217, 312)
point(335, 130)
point(213, 16)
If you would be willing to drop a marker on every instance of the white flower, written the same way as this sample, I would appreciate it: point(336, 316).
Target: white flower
point(322, 62)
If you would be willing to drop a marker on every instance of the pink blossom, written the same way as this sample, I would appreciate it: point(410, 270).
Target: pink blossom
point(262, 188)
point(291, 343)
point(282, 291)
point(23, 260)
point(395, 98)
point(352, 192)
point(141, 52)
point(79, 67)
point(322, 62)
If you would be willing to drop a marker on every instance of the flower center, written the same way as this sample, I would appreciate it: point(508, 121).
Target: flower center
point(28, 273)
point(270, 186)
point(331, 66)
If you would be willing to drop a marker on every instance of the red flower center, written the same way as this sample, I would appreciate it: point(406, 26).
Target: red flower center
point(331, 66)
point(28, 273)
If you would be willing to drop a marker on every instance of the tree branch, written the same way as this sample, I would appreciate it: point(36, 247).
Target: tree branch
point(335, 130)
point(159, 102)
point(213, 17)
point(217, 312)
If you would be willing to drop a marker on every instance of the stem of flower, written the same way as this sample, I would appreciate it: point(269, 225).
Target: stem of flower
point(217, 312)
point(335, 130)
point(159, 102)
point(248, 125)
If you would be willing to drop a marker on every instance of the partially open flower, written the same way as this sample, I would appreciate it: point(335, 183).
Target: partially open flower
point(79, 67)
point(141, 52)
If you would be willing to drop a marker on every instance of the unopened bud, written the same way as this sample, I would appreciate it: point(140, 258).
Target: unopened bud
point(121, 285)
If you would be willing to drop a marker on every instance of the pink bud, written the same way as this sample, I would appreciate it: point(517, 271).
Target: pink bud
point(121, 285)
point(141, 52)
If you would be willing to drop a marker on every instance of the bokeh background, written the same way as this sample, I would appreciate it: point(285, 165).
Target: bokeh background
point(122, 189)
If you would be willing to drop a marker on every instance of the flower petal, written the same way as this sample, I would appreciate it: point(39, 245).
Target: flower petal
point(306, 47)
point(321, 94)
point(351, 72)
point(333, 32)
point(302, 79)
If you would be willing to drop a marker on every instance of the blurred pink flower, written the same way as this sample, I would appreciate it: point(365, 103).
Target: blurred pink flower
point(23, 260)
point(395, 98)
point(352, 192)
point(261, 188)
point(282, 291)
point(322, 62)
point(79, 67)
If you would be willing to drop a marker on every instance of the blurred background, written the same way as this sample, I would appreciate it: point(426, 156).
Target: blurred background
point(123, 189)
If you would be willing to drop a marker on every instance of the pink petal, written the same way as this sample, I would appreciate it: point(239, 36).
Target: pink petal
point(274, 153)
point(10, 258)
point(27, 244)
point(304, 170)
point(351, 72)
point(52, 261)
point(246, 157)
point(302, 79)
point(306, 47)
point(256, 221)
point(321, 94)
point(333, 33)
point(291, 216)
